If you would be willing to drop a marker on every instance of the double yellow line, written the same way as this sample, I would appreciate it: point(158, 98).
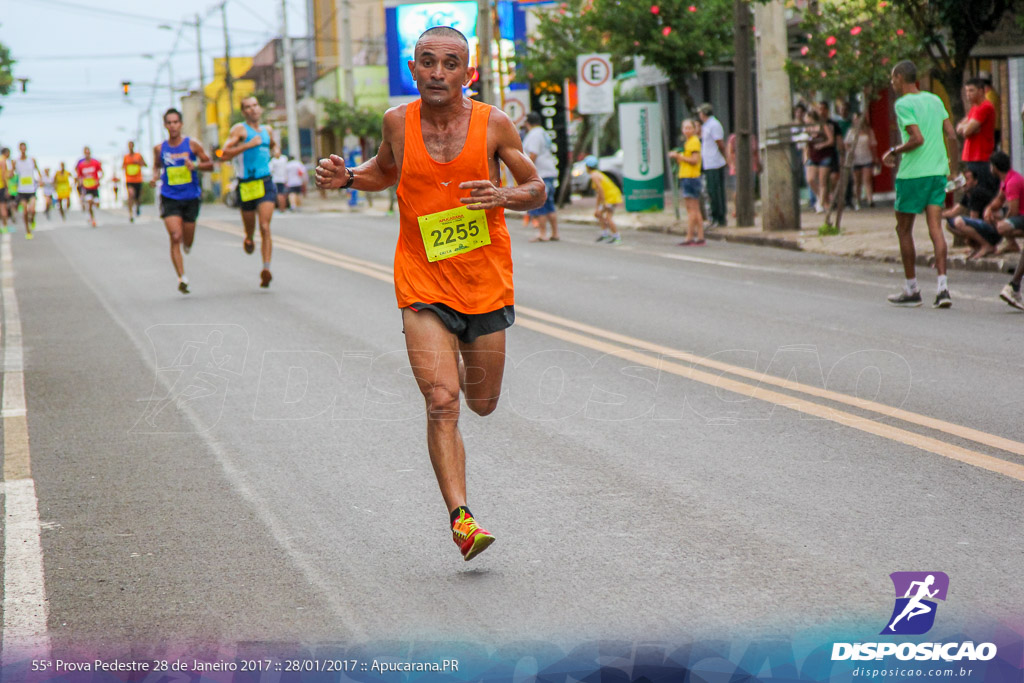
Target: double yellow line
point(699, 369)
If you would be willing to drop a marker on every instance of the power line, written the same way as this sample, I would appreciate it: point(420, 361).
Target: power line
point(130, 16)
point(121, 55)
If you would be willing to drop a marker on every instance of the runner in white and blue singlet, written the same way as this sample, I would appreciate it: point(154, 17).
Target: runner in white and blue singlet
point(257, 193)
point(175, 160)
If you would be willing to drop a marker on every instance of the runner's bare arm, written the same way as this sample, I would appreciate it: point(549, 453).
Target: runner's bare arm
point(235, 144)
point(529, 191)
point(952, 146)
point(205, 162)
point(273, 142)
point(157, 165)
point(374, 175)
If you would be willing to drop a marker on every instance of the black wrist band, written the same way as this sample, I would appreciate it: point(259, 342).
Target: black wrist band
point(351, 179)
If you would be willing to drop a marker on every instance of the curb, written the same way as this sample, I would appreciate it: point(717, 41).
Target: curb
point(959, 262)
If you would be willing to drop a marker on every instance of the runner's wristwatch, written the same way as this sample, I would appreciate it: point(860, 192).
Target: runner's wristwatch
point(351, 179)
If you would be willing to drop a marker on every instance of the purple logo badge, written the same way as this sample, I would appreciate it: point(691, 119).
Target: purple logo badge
point(916, 592)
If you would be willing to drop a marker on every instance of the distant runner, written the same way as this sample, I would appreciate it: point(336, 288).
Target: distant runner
point(48, 191)
point(62, 185)
point(256, 190)
point(180, 192)
point(5, 173)
point(133, 163)
point(28, 177)
point(89, 172)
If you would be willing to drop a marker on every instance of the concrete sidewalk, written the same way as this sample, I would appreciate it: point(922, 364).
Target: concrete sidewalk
point(869, 233)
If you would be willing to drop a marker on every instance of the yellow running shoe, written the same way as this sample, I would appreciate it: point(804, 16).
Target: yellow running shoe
point(28, 235)
point(471, 538)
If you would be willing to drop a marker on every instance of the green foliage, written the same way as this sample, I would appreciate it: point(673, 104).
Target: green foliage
point(683, 37)
point(341, 118)
point(950, 29)
point(6, 73)
point(851, 46)
point(666, 33)
point(563, 32)
point(826, 229)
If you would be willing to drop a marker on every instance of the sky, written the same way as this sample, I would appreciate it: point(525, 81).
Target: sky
point(76, 53)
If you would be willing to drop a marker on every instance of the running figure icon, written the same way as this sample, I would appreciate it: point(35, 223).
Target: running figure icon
point(915, 607)
point(917, 594)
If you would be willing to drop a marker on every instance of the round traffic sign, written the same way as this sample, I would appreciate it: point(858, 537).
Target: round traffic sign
point(595, 71)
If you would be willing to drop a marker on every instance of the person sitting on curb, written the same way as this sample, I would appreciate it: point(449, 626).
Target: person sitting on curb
point(1011, 192)
point(608, 197)
point(965, 219)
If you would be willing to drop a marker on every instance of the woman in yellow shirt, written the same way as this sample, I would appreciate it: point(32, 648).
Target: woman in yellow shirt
point(690, 184)
point(608, 197)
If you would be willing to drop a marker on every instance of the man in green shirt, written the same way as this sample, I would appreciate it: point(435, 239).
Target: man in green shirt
point(926, 159)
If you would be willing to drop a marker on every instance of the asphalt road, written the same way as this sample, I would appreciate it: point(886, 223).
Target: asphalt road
point(643, 479)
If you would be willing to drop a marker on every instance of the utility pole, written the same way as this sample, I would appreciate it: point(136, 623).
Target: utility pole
point(170, 79)
point(294, 148)
point(228, 80)
point(484, 27)
point(202, 83)
point(780, 205)
point(744, 115)
point(343, 28)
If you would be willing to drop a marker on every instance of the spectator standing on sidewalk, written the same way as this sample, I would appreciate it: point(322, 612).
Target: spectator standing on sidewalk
point(978, 131)
point(993, 97)
point(690, 183)
point(819, 160)
point(865, 159)
point(537, 145)
point(925, 159)
point(713, 160)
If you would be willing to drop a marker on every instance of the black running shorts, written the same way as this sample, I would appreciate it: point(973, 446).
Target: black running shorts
point(188, 209)
point(468, 326)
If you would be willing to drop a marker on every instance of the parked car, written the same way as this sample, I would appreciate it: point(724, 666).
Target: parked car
point(610, 166)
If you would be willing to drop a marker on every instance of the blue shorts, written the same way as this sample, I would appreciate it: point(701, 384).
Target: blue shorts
point(691, 187)
point(984, 230)
point(269, 194)
point(549, 204)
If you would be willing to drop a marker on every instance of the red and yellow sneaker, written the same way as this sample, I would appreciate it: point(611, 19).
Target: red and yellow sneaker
point(471, 538)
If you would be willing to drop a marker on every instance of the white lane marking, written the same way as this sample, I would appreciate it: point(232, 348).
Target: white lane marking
point(24, 630)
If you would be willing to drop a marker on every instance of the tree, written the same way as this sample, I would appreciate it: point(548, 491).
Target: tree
point(6, 70)
point(683, 37)
point(949, 30)
point(343, 118)
point(850, 47)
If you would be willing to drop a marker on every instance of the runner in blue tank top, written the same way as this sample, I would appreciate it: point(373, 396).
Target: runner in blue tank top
point(256, 189)
point(175, 160)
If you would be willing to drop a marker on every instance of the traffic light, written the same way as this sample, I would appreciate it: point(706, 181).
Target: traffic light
point(126, 86)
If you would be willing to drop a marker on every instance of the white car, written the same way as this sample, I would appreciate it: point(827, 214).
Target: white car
point(610, 166)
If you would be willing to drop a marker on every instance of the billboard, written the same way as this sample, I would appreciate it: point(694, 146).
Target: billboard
point(406, 21)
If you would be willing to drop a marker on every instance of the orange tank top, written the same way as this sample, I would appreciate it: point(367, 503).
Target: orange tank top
point(477, 281)
point(132, 162)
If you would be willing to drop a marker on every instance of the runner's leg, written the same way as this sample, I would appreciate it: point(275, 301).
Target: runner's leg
point(484, 363)
point(433, 356)
point(266, 212)
point(905, 232)
point(174, 227)
point(933, 214)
